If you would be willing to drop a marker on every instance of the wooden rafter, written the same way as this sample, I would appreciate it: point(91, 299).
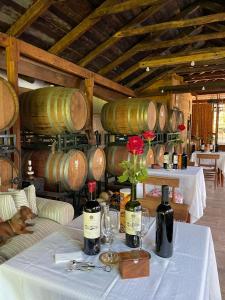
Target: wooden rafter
point(205, 87)
point(184, 57)
point(43, 56)
point(220, 17)
point(132, 51)
point(108, 7)
point(31, 14)
point(201, 69)
point(136, 66)
point(153, 80)
point(180, 41)
point(146, 14)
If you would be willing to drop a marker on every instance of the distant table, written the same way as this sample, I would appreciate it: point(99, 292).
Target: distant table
point(190, 274)
point(192, 186)
point(220, 161)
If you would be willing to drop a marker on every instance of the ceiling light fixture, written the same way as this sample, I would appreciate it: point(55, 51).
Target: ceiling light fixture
point(203, 88)
point(147, 69)
point(193, 63)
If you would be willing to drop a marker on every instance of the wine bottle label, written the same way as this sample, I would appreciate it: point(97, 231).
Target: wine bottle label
point(166, 159)
point(132, 222)
point(175, 159)
point(92, 225)
point(203, 147)
point(211, 147)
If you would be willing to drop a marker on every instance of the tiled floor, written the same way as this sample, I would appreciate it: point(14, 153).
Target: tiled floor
point(214, 217)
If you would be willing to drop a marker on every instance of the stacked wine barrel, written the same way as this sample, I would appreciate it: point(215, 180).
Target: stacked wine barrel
point(9, 109)
point(133, 117)
point(52, 111)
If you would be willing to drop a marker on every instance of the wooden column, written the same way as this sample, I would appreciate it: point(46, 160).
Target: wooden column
point(12, 59)
point(89, 88)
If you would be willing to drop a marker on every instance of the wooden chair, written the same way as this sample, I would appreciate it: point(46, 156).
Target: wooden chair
point(181, 211)
point(209, 166)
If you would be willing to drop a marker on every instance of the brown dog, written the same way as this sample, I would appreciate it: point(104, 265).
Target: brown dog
point(16, 225)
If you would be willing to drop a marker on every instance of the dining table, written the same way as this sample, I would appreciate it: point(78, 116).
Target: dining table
point(220, 162)
point(192, 187)
point(191, 272)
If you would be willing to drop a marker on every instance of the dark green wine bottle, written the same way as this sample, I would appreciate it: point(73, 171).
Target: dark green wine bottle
point(132, 220)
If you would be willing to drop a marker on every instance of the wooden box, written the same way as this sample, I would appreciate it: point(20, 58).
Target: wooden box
point(134, 264)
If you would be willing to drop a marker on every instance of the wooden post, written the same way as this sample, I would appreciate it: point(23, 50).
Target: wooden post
point(89, 88)
point(12, 59)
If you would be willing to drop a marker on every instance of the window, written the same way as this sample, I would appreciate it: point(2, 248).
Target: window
point(221, 125)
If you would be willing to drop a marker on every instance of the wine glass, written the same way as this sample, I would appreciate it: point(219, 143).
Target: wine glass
point(145, 225)
point(109, 227)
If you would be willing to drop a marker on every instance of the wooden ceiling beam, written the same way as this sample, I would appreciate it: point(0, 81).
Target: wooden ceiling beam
point(146, 14)
point(108, 7)
point(155, 79)
point(124, 6)
point(31, 14)
point(135, 67)
point(184, 57)
point(187, 88)
point(219, 17)
point(180, 41)
point(132, 51)
point(52, 60)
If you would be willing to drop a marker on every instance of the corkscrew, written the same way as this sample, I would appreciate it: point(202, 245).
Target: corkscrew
point(75, 265)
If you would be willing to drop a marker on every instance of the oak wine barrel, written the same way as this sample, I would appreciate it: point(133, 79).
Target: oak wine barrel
point(54, 110)
point(159, 150)
point(9, 105)
point(172, 121)
point(129, 116)
point(115, 154)
point(69, 169)
point(96, 163)
point(8, 171)
point(162, 116)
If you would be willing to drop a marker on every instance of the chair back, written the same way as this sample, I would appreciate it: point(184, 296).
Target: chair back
point(210, 160)
point(181, 211)
point(155, 180)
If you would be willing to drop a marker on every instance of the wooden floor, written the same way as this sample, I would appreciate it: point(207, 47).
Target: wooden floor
point(214, 217)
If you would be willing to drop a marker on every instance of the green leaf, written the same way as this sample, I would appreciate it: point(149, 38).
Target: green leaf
point(124, 177)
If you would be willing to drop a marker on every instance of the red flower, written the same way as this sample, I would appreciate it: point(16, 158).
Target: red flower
point(181, 127)
point(135, 145)
point(149, 135)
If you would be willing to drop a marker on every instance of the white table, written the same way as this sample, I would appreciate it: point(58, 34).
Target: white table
point(192, 186)
point(190, 274)
point(220, 161)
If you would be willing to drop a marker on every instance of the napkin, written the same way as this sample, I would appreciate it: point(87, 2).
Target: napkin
point(66, 257)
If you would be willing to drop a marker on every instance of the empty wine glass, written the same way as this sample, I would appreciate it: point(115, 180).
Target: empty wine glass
point(145, 225)
point(109, 227)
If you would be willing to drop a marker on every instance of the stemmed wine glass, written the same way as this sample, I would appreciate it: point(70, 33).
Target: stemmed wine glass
point(145, 225)
point(109, 227)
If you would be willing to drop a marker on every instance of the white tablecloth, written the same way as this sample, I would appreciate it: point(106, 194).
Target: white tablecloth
point(192, 186)
point(190, 274)
point(220, 161)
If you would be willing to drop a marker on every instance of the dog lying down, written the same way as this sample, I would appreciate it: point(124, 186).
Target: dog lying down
point(16, 225)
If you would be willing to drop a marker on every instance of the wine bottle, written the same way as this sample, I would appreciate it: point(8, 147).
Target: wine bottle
point(179, 161)
point(132, 220)
point(164, 225)
point(184, 160)
point(211, 147)
point(202, 149)
point(166, 160)
point(175, 159)
point(216, 147)
point(92, 222)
